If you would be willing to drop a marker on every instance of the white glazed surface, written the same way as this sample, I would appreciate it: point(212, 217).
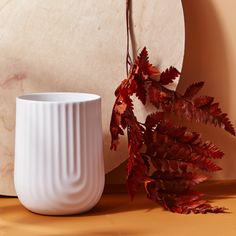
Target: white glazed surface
point(59, 167)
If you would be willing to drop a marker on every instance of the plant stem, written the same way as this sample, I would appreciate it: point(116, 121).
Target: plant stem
point(128, 58)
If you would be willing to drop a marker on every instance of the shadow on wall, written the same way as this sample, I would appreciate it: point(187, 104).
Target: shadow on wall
point(206, 59)
point(205, 52)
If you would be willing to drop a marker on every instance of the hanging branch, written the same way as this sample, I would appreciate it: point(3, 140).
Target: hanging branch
point(179, 157)
point(128, 57)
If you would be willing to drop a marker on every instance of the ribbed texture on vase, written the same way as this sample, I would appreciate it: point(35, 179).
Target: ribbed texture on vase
point(59, 165)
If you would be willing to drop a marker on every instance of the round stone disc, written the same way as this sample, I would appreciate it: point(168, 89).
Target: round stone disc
point(79, 46)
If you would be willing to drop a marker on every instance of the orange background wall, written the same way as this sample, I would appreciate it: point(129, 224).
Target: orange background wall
point(210, 55)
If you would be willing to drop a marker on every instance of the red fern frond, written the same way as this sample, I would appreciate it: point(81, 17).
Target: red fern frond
point(169, 75)
point(180, 158)
point(201, 109)
point(193, 89)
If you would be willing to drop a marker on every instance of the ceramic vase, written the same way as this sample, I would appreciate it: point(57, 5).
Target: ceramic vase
point(59, 167)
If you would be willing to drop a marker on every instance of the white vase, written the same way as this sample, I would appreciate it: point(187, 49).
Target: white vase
point(59, 168)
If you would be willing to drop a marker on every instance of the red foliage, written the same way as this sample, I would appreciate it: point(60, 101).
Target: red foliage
point(168, 76)
point(179, 157)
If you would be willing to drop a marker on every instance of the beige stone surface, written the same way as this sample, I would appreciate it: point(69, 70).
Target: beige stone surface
point(75, 45)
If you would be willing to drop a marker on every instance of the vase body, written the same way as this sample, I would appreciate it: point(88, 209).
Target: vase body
point(59, 168)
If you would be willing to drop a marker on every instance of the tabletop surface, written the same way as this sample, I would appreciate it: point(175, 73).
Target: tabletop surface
point(117, 215)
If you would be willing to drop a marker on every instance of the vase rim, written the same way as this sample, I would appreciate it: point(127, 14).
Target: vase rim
point(59, 97)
